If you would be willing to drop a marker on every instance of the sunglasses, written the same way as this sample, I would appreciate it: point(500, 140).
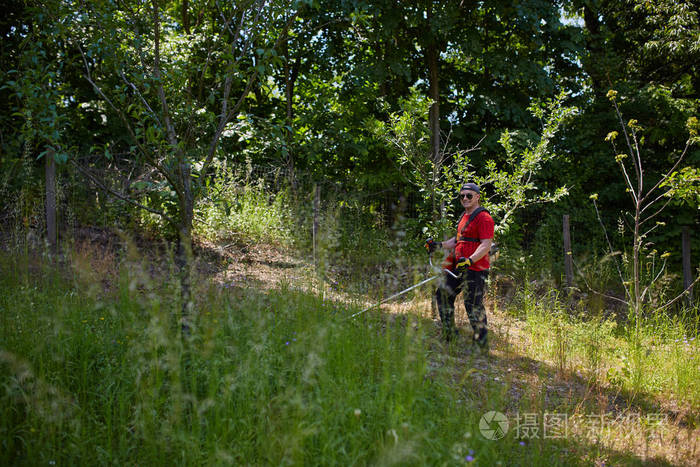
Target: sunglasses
point(466, 196)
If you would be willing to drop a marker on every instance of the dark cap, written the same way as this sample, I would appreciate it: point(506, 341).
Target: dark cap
point(470, 186)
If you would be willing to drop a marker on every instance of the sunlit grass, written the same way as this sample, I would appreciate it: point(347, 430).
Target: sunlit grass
point(247, 213)
point(267, 379)
point(661, 362)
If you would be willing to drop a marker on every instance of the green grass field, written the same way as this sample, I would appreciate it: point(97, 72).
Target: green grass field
point(100, 375)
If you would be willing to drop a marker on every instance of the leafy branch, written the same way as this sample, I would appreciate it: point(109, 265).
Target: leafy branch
point(514, 183)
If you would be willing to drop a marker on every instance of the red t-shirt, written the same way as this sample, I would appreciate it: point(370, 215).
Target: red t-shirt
point(480, 228)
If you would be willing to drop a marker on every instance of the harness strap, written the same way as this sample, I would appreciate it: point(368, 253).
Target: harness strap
point(472, 216)
point(452, 258)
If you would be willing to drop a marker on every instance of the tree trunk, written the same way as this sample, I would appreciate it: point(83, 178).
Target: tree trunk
point(379, 48)
point(184, 263)
point(431, 56)
point(186, 16)
point(593, 45)
point(291, 72)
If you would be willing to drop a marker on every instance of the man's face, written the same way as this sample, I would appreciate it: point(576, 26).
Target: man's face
point(468, 198)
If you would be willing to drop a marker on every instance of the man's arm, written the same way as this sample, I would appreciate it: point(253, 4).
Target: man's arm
point(482, 250)
point(449, 244)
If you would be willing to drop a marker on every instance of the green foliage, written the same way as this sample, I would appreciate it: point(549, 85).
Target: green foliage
point(670, 25)
point(641, 269)
point(246, 212)
point(684, 185)
point(408, 138)
point(513, 185)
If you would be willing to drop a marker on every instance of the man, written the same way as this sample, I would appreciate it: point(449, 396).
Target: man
point(470, 262)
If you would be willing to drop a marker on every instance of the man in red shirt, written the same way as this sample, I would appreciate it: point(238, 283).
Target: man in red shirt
point(470, 262)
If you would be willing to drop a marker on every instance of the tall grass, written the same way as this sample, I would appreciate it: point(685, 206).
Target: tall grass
point(95, 371)
point(660, 361)
point(95, 377)
point(247, 212)
point(354, 246)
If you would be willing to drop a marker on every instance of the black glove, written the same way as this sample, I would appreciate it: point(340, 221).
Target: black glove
point(463, 264)
point(431, 245)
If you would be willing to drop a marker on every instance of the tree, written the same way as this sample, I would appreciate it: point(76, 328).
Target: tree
point(648, 52)
point(39, 85)
point(512, 186)
point(479, 64)
point(649, 200)
point(175, 88)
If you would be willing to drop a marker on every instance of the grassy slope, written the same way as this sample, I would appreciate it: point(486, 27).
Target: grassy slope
point(94, 372)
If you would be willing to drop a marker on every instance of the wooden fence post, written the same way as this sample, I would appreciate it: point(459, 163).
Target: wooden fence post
point(317, 202)
point(687, 272)
point(50, 182)
point(568, 261)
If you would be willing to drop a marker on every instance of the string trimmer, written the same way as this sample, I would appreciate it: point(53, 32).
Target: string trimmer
point(430, 261)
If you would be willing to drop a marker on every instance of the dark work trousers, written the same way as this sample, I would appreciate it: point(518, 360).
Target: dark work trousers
point(473, 284)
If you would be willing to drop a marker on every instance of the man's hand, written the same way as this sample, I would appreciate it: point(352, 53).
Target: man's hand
point(431, 245)
point(463, 264)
